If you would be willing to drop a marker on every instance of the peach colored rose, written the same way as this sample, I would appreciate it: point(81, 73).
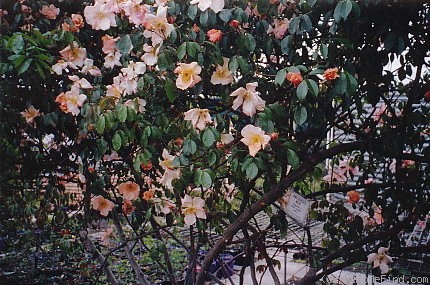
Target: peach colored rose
point(30, 114)
point(188, 75)
point(109, 44)
point(129, 190)
point(148, 195)
point(214, 35)
point(353, 197)
point(127, 207)
point(198, 117)
point(295, 77)
point(192, 208)
point(331, 74)
point(222, 75)
point(50, 12)
point(254, 138)
point(104, 206)
point(74, 54)
point(248, 98)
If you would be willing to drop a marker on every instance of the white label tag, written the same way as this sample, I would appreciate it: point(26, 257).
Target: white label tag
point(297, 207)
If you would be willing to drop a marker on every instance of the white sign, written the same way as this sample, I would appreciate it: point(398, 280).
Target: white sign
point(297, 207)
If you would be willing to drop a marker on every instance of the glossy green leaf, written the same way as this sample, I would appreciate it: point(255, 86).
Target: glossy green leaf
point(300, 115)
point(116, 141)
point(302, 90)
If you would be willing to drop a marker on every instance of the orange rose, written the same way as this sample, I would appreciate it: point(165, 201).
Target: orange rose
point(353, 197)
point(148, 195)
point(214, 35)
point(295, 78)
point(127, 207)
point(234, 24)
point(331, 74)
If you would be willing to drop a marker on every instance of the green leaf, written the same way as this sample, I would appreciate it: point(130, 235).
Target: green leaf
point(192, 12)
point(286, 45)
point(208, 137)
point(280, 76)
point(292, 158)
point(189, 147)
point(101, 124)
point(182, 49)
point(225, 15)
point(204, 17)
point(124, 45)
point(211, 158)
point(116, 141)
point(263, 6)
point(24, 67)
point(122, 113)
point(342, 10)
point(313, 86)
point(293, 27)
point(193, 48)
point(233, 65)
point(16, 43)
point(302, 90)
point(206, 179)
point(300, 115)
point(170, 88)
point(163, 62)
point(252, 170)
point(250, 42)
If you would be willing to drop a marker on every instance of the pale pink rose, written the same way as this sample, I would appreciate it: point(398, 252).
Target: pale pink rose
point(170, 172)
point(254, 138)
point(90, 68)
point(188, 75)
point(80, 82)
point(50, 12)
point(70, 101)
point(109, 44)
point(112, 60)
point(30, 114)
point(135, 12)
point(115, 90)
point(74, 54)
point(99, 16)
point(59, 67)
point(222, 75)
point(281, 27)
point(198, 117)
point(129, 190)
point(138, 104)
point(150, 57)
point(134, 69)
point(215, 5)
point(248, 98)
point(128, 84)
point(380, 259)
point(157, 27)
point(104, 206)
point(193, 208)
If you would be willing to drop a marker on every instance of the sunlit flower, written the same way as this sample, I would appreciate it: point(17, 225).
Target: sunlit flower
point(170, 172)
point(331, 74)
point(254, 138)
point(188, 75)
point(115, 90)
point(215, 5)
point(50, 12)
point(222, 75)
point(157, 27)
point(281, 27)
point(70, 101)
point(380, 259)
point(127, 207)
point(104, 206)
point(77, 22)
point(90, 68)
point(214, 35)
point(198, 117)
point(129, 190)
point(74, 54)
point(295, 78)
point(248, 98)
point(148, 195)
point(112, 60)
point(80, 82)
point(30, 114)
point(135, 11)
point(60, 66)
point(134, 69)
point(192, 208)
point(99, 16)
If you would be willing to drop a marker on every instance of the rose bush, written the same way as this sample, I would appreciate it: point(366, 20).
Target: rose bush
point(200, 114)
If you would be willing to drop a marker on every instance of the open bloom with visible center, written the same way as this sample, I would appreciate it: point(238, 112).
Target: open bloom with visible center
point(70, 101)
point(50, 12)
point(254, 138)
point(331, 74)
point(129, 190)
point(135, 11)
point(380, 259)
point(248, 98)
point(99, 16)
point(101, 204)
point(74, 54)
point(215, 5)
point(198, 117)
point(222, 75)
point(192, 208)
point(157, 27)
point(150, 57)
point(30, 113)
point(295, 78)
point(214, 35)
point(188, 75)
